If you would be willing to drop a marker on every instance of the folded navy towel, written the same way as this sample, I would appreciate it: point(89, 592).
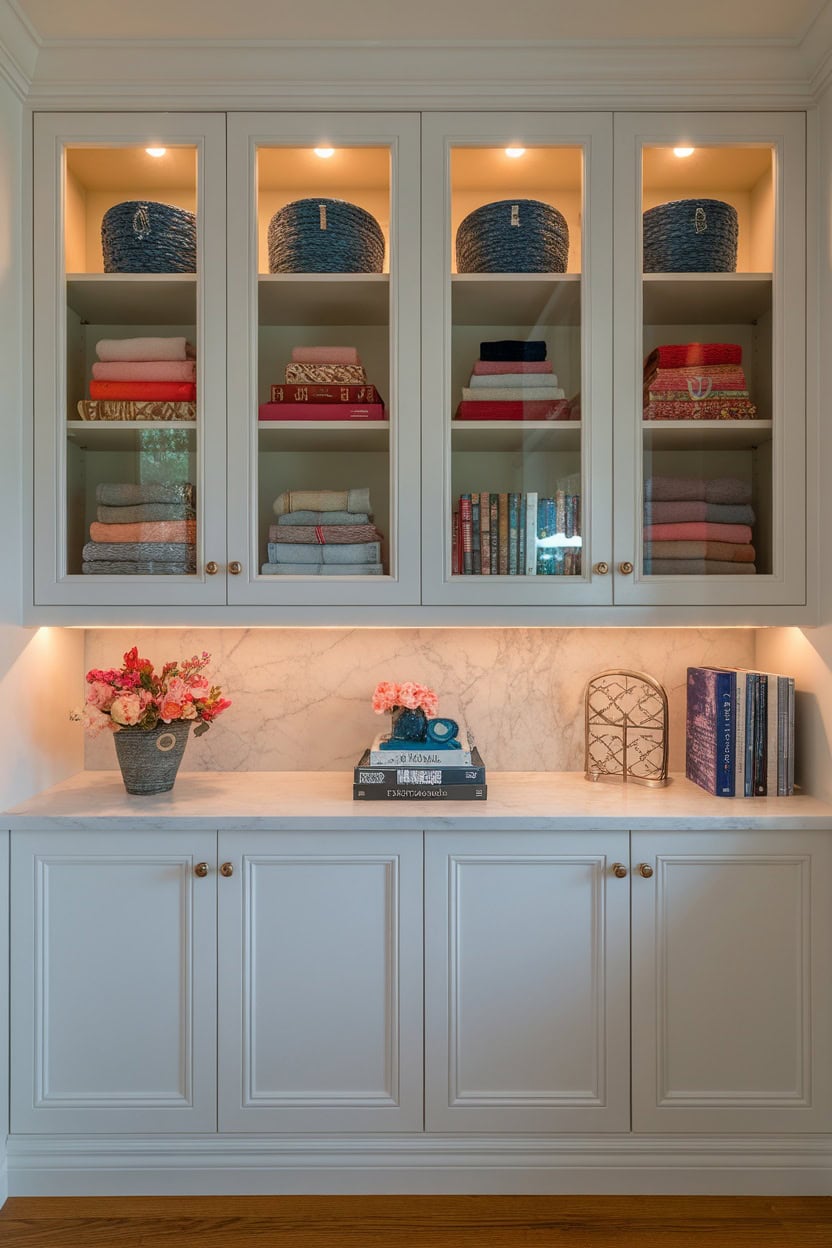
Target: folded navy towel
point(513, 349)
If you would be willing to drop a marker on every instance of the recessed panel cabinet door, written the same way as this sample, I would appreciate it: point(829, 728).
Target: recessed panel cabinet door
point(113, 982)
point(732, 1021)
point(527, 1003)
point(320, 975)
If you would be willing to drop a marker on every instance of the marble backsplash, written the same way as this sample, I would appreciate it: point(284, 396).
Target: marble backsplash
point(301, 698)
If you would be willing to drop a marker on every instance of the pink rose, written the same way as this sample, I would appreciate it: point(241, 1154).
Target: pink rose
point(95, 721)
point(409, 695)
point(199, 687)
point(100, 695)
point(178, 691)
point(189, 711)
point(170, 710)
point(385, 697)
point(126, 709)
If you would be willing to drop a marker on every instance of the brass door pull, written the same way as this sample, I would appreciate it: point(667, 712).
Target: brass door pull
point(235, 567)
point(212, 568)
point(619, 870)
point(645, 870)
point(201, 869)
point(625, 568)
point(601, 568)
point(227, 869)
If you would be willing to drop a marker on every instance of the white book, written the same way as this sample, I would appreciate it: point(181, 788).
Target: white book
point(531, 533)
point(512, 394)
point(519, 381)
point(421, 755)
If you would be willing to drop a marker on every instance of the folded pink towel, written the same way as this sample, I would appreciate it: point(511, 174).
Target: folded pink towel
point(484, 367)
point(697, 531)
point(144, 349)
point(325, 355)
point(145, 370)
point(145, 531)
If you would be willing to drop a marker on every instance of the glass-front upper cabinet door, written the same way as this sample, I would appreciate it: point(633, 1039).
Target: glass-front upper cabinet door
point(129, 349)
point(323, 342)
point(710, 416)
point(517, 353)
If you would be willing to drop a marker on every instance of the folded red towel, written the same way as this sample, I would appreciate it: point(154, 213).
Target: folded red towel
point(166, 391)
point(505, 409)
point(678, 355)
point(697, 531)
point(484, 367)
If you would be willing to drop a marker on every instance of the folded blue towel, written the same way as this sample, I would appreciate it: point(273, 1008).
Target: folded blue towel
point(322, 569)
point(302, 552)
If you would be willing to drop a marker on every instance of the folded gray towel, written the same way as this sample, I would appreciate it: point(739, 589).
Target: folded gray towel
point(324, 517)
point(128, 494)
point(697, 567)
point(120, 552)
point(301, 552)
point(322, 569)
point(145, 511)
point(137, 567)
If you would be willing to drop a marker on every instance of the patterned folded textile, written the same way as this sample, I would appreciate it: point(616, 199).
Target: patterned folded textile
point(144, 349)
point(699, 379)
point(127, 494)
point(513, 349)
point(134, 409)
point(322, 569)
point(327, 374)
point(144, 370)
point(144, 511)
point(739, 552)
point(697, 567)
point(684, 396)
point(701, 409)
point(685, 354)
point(149, 531)
point(697, 532)
point(322, 500)
point(324, 534)
point(482, 368)
point(506, 394)
point(325, 355)
point(716, 513)
point(137, 567)
point(156, 552)
point(299, 552)
point(712, 490)
point(324, 517)
point(172, 391)
point(513, 381)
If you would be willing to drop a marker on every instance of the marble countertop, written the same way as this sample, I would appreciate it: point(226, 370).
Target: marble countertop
point(321, 800)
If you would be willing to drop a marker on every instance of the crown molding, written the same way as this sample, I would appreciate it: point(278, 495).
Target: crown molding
point(19, 48)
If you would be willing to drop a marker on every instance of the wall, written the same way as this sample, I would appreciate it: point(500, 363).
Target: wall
point(301, 699)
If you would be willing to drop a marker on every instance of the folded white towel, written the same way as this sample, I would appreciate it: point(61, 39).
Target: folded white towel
point(514, 381)
point(511, 395)
point(144, 349)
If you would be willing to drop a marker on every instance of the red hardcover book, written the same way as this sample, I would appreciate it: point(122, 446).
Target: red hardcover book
point(466, 524)
point(502, 409)
point(485, 535)
point(322, 411)
point(296, 393)
point(162, 391)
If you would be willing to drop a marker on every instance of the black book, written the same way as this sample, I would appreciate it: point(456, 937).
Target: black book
point(420, 776)
point(419, 793)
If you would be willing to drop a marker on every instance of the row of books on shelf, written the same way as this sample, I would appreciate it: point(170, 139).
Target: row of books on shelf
point(419, 771)
point(512, 534)
point(740, 732)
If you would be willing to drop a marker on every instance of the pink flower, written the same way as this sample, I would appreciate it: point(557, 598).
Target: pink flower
point(95, 721)
point(100, 695)
point(199, 686)
point(429, 701)
point(410, 695)
point(126, 709)
point(178, 691)
point(170, 710)
point(385, 697)
point(189, 711)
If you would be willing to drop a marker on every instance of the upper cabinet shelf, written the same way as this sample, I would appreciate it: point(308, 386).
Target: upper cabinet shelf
point(324, 298)
point(706, 298)
point(516, 299)
point(132, 298)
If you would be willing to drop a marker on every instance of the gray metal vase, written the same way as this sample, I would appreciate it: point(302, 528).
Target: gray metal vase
point(149, 760)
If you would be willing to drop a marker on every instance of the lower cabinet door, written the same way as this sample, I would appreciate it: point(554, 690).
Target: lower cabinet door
point(113, 939)
point(527, 982)
point(320, 981)
point(732, 991)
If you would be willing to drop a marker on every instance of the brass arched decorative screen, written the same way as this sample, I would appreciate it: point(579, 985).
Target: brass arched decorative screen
point(626, 728)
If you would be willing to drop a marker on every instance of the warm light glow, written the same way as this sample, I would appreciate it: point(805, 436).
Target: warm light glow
point(682, 152)
point(156, 151)
point(324, 152)
point(514, 152)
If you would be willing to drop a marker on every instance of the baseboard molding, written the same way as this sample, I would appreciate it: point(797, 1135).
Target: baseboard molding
point(110, 1165)
point(4, 1183)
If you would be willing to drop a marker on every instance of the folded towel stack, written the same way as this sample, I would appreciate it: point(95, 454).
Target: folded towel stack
point(696, 381)
point(323, 533)
point(149, 374)
point(696, 527)
point(142, 530)
point(512, 380)
point(324, 383)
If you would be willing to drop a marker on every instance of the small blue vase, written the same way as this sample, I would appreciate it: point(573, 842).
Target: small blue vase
point(409, 725)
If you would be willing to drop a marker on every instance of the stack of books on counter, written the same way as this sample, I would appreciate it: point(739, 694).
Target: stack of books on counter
point(740, 732)
point(393, 770)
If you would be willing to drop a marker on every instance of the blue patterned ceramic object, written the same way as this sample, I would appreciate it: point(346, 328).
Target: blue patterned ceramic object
point(408, 725)
point(444, 732)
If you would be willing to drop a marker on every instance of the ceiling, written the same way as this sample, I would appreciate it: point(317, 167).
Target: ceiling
point(469, 20)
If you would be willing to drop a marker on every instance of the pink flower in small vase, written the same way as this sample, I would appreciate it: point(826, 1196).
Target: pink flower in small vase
point(126, 709)
point(428, 700)
point(410, 695)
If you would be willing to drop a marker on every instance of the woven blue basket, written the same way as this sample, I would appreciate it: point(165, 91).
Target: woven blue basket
point(140, 236)
point(324, 236)
point(513, 236)
point(690, 236)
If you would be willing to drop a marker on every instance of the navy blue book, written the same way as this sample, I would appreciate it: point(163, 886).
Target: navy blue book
point(751, 684)
point(513, 349)
point(711, 729)
point(761, 737)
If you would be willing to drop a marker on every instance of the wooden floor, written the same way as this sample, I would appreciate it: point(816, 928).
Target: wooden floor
point(421, 1221)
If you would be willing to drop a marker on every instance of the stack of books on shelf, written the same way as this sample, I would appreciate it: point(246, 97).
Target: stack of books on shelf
point(142, 379)
point(513, 534)
point(324, 383)
point(512, 380)
point(740, 732)
point(323, 533)
point(696, 381)
point(393, 770)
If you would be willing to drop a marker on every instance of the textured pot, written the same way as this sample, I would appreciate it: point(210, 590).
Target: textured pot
point(409, 725)
point(149, 760)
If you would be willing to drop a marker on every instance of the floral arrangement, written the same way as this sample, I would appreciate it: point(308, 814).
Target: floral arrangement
point(137, 696)
point(388, 695)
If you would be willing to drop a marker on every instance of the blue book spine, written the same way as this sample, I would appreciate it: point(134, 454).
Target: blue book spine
point(761, 738)
point(521, 538)
point(726, 692)
point(750, 720)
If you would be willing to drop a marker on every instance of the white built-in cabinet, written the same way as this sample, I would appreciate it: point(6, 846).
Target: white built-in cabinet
point(272, 982)
point(418, 325)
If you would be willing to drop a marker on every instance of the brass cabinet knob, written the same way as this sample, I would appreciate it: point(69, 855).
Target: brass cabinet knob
point(619, 870)
point(625, 568)
point(645, 870)
point(227, 869)
point(601, 568)
point(235, 567)
point(201, 869)
point(212, 568)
